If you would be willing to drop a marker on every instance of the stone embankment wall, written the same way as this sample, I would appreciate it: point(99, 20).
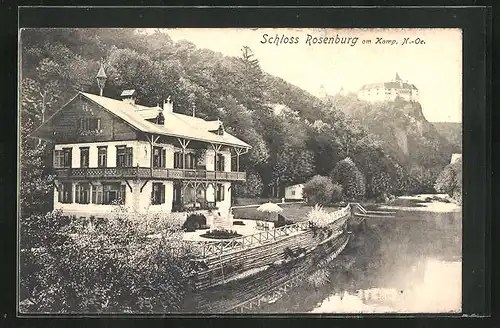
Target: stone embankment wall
point(222, 283)
point(227, 297)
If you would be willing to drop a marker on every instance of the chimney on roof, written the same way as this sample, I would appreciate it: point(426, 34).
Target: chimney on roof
point(168, 105)
point(129, 96)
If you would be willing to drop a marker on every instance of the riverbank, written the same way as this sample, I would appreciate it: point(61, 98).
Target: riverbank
point(437, 203)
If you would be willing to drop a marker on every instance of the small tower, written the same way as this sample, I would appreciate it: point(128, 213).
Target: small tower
point(193, 108)
point(399, 80)
point(101, 78)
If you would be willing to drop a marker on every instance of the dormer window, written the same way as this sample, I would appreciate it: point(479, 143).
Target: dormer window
point(220, 130)
point(160, 119)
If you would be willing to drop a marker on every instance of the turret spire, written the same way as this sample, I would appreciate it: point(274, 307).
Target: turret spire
point(101, 78)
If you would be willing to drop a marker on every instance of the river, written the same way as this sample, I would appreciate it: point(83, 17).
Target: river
point(407, 264)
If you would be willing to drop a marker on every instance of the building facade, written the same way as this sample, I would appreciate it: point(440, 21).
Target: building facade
point(294, 192)
point(112, 152)
point(389, 91)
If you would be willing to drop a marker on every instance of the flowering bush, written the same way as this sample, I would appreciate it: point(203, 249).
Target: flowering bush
point(318, 216)
point(121, 264)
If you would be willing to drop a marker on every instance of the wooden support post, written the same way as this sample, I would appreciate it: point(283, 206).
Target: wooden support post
point(184, 143)
point(143, 185)
point(128, 184)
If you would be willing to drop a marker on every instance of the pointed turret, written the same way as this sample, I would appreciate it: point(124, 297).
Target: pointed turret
point(101, 78)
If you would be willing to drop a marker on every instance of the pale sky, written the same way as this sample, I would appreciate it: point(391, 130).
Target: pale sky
point(435, 67)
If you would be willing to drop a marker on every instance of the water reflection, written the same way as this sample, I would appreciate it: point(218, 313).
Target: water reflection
point(439, 292)
point(408, 264)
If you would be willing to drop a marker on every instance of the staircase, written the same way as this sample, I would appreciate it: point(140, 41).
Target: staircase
point(359, 211)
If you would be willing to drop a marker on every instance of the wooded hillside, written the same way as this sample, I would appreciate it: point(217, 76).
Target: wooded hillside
point(294, 135)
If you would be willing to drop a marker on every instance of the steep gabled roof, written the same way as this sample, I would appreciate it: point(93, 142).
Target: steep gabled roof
point(176, 125)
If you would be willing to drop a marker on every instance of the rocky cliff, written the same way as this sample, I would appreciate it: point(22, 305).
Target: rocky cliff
point(405, 132)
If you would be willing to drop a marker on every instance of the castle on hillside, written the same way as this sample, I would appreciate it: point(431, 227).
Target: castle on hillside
point(389, 91)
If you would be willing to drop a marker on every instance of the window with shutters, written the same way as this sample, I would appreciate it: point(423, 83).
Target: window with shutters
point(82, 193)
point(220, 166)
point(124, 156)
point(84, 157)
point(113, 193)
point(97, 195)
point(190, 161)
point(219, 197)
point(159, 157)
point(89, 124)
point(178, 159)
point(158, 194)
point(65, 194)
point(102, 156)
point(63, 158)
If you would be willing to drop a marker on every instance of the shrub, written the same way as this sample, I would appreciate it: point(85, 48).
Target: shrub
point(194, 221)
point(350, 178)
point(319, 190)
point(221, 234)
point(318, 217)
point(337, 194)
point(105, 268)
point(240, 223)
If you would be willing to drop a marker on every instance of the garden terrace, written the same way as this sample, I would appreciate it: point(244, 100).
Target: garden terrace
point(227, 259)
point(295, 212)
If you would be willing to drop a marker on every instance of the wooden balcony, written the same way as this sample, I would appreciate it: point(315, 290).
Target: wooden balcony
point(146, 173)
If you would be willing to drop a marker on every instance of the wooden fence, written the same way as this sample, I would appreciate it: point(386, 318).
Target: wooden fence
point(216, 248)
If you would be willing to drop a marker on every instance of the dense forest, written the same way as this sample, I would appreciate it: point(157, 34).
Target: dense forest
point(294, 135)
point(451, 131)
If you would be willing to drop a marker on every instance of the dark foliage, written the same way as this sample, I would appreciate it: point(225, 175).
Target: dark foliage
point(194, 221)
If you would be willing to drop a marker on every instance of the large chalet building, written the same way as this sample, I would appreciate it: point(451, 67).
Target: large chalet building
point(150, 159)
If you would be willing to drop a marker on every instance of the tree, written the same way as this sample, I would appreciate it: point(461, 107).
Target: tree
point(252, 77)
point(35, 178)
point(251, 188)
point(449, 181)
point(350, 178)
point(320, 190)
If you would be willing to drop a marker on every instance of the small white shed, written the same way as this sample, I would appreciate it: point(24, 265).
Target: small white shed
point(294, 192)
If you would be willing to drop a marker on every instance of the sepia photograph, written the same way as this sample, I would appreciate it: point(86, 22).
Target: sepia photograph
point(240, 170)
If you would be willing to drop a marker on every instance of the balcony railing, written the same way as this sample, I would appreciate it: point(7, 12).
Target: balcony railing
point(144, 172)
